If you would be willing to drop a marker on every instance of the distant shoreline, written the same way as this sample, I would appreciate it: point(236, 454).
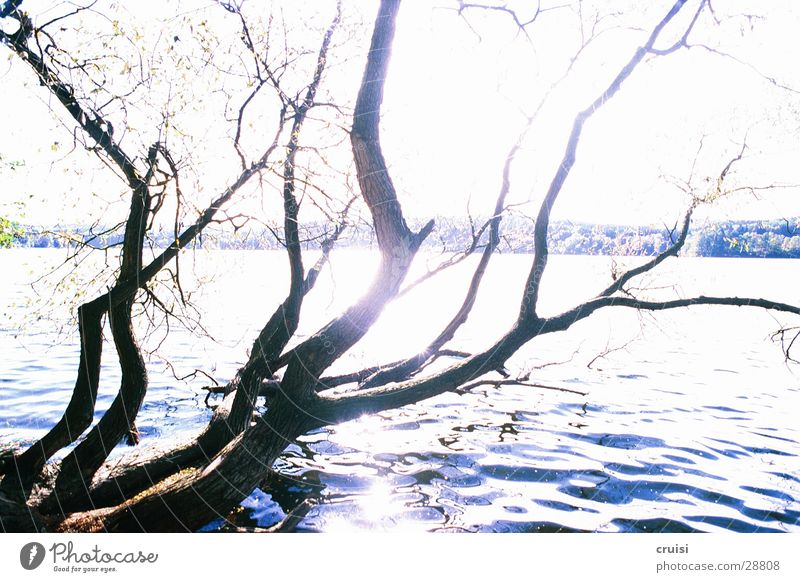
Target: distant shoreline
point(731, 239)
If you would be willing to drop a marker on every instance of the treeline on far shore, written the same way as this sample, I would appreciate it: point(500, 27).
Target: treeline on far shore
point(762, 239)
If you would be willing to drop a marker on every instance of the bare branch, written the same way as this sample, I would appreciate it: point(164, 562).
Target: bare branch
point(682, 41)
point(517, 382)
point(787, 336)
point(769, 79)
point(671, 251)
point(531, 293)
point(521, 23)
point(566, 319)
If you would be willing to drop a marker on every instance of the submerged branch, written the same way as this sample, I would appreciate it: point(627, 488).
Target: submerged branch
point(517, 382)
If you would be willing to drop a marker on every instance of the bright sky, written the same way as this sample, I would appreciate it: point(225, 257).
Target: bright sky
point(650, 130)
point(455, 101)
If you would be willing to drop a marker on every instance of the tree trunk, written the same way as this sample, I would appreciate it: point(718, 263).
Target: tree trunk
point(79, 412)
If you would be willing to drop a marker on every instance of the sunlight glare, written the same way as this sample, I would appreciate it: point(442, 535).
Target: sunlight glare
point(377, 504)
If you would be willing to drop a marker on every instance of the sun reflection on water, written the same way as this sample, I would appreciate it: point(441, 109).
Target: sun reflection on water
point(381, 504)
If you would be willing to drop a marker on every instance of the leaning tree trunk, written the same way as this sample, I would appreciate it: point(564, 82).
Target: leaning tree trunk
point(235, 413)
point(78, 468)
point(199, 497)
point(20, 472)
point(80, 410)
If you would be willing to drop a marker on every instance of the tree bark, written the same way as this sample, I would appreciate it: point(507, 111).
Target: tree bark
point(77, 417)
point(82, 463)
point(232, 474)
point(133, 276)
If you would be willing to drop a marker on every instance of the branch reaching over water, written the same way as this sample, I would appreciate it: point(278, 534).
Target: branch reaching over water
point(531, 293)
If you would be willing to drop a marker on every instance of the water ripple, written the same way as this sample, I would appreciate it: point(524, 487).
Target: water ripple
point(676, 434)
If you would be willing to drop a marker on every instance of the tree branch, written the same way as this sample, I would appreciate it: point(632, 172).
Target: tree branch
point(671, 251)
point(531, 293)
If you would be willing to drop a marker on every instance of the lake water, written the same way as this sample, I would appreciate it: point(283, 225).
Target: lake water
point(689, 422)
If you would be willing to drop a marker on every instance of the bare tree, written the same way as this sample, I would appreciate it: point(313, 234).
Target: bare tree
point(185, 488)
